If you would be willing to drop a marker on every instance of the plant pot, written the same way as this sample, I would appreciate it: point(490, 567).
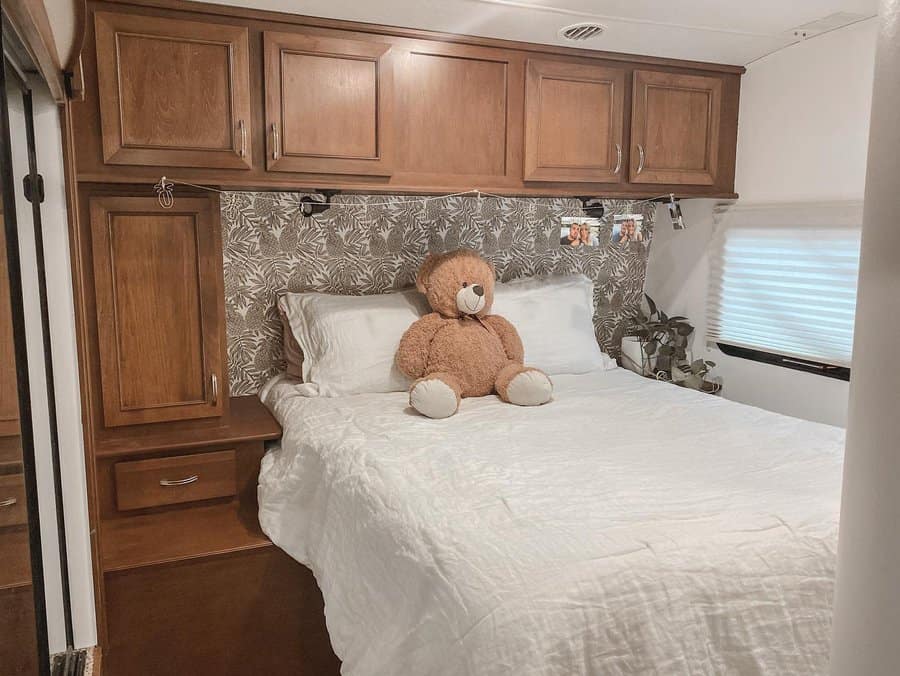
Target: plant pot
point(634, 358)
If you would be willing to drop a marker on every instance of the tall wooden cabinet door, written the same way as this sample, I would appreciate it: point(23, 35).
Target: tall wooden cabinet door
point(574, 115)
point(328, 105)
point(173, 93)
point(675, 128)
point(158, 280)
point(9, 398)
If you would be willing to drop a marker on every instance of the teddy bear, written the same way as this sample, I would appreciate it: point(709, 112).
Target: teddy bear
point(460, 349)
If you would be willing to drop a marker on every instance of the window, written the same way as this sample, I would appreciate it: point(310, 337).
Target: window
point(783, 284)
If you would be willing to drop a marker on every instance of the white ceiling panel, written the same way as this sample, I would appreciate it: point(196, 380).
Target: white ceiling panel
point(722, 31)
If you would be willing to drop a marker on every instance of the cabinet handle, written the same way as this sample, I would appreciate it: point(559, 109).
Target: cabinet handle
point(243, 130)
point(275, 141)
point(641, 160)
point(214, 388)
point(179, 482)
point(618, 158)
point(9, 502)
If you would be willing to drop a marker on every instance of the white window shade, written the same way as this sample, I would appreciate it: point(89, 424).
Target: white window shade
point(783, 279)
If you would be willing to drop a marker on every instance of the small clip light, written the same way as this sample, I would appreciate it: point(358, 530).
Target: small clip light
point(164, 193)
point(675, 214)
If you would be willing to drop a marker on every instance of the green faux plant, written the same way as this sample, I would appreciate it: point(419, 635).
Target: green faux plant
point(665, 342)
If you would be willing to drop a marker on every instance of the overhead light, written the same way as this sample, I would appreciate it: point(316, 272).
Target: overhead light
point(581, 31)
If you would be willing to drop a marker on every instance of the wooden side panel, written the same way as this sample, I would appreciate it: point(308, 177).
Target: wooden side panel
point(18, 639)
point(158, 314)
point(9, 398)
point(251, 613)
point(173, 93)
point(454, 112)
point(328, 104)
point(676, 122)
point(574, 118)
point(13, 511)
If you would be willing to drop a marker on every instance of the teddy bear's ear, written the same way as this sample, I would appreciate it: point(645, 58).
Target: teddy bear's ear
point(425, 271)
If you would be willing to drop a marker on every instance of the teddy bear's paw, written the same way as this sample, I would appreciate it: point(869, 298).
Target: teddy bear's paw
point(434, 398)
point(529, 388)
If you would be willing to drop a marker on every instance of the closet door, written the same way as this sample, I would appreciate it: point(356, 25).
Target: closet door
point(675, 128)
point(574, 115)
point(173, 93)
point(328, 105)
point(158, 279)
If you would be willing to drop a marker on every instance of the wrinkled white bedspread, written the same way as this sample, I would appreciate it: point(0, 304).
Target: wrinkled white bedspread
point(628, 527)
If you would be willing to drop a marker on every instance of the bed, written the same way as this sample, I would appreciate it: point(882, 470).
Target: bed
point(628, 527)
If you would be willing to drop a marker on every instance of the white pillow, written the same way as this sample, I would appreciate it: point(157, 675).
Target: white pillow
point(554, 317)
point(349, 342)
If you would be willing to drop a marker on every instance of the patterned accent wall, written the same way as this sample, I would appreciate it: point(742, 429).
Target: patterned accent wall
point(377, 245)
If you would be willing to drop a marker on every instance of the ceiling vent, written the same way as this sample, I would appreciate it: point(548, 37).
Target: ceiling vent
point(581, 31)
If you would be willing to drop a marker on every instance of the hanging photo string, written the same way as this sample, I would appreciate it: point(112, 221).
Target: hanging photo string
point(165, 194)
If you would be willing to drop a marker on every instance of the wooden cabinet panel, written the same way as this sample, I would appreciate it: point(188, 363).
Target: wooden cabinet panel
point(158, 284)
point(675, 128)
point(9, 396)
point(328, 104)
point(257, 612)
point(173, 93)
point(453, 113)
point(12, 501)
point(173, 480)
point(574, 118)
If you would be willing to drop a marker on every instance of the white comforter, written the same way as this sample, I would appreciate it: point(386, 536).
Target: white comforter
point(628, 527)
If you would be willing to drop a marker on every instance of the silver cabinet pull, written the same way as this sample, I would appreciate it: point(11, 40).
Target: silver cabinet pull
point(641, 160)
point(618, 158)
point(9, 502)
point(214, 388)
point(275, 141)
point(243, 129)
point(179, 482)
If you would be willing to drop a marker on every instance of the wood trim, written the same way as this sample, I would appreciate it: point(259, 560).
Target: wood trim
point(108, 26)
point(421, 34)
point(29, 17)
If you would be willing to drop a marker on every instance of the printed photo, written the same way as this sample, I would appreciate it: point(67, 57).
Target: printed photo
point(579, 231)
point(628, 228)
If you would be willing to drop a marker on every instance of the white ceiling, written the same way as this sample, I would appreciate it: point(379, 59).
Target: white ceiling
point(723, 31)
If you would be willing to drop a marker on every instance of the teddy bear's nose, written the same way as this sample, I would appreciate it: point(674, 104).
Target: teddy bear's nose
point(478, 289)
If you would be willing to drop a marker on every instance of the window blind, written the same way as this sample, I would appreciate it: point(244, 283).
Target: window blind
point(783, 279)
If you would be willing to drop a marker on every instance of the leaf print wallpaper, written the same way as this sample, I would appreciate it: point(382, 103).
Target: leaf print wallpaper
point(376, 243)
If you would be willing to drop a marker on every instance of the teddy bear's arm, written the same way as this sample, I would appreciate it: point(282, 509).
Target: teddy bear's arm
point(412, 355)
point(509, 337)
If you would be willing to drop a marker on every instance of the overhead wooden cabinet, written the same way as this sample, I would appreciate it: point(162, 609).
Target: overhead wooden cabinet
point(454, 114)
point(158, 279)
point(328, 105)
point(173, 92)
point(675, 128)
point(574, 119)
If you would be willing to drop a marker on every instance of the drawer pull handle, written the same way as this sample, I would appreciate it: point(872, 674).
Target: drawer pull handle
point(641, 159)
point(243, 130)
point(276, 142)
point(618, 158)
point(179, 482)
point(214, 387)
point(9, 502)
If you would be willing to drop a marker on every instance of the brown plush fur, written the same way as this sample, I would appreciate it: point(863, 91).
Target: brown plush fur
point(474, 355)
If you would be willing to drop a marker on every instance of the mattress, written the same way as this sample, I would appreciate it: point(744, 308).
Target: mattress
point(627, 527)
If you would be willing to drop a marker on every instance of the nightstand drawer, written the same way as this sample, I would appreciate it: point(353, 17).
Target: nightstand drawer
point(12, 500)
point(175, 479)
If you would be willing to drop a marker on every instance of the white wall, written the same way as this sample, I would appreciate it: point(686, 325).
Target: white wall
point(802, 136)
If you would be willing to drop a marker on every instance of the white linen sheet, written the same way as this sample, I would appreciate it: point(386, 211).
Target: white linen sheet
point(627, 527)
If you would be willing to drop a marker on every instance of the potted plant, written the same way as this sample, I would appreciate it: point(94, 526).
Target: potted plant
point(658, 345)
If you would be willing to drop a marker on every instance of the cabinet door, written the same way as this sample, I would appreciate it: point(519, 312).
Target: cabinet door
point(158, 284)
point(328, 105)
point(675, 128)
point(173, 93)
point(9, 397)
point(574, 115)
